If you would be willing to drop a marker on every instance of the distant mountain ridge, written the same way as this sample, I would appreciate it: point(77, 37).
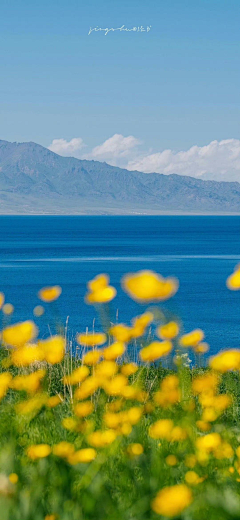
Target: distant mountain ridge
point(34, 180)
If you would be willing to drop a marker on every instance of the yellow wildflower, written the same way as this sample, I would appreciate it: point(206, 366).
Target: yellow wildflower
point(155, 350)
point(99, 290)
point(203, 426)
point(34, 404)
point(190, 461)
point(100, 439)
point(5, 381)
point(135, 449)
point(77, 376)
point(26, 355)
point(147, 286)
point(192, 478)
point(171, 501)
point(233, 281)
point(49, 294)
point(2, 299)
point(19, 334)
point(209, 442)
point(84, 455)
point(192, 338)
point(224, 451)
point(69, 423)
point(53, 349)
point(106, 369)
point(38, 451)
point(63, 449)
point(129, 369)
point(92, 358)
point(226, 360)
point(114, 351)
point(87, 388)
point(38, 311)
point(92, 340)
point(30, 383)
point(161, 429)
point(116, 385)
point(53, 401)
point(8, 309)
point(83, 409)
point(171, 460)
point(168, 331)
point(201, 348)
point(13, 477)
point(121, 332)
point(205, 383)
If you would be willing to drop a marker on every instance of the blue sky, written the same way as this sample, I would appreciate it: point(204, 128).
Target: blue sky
point(171, 88)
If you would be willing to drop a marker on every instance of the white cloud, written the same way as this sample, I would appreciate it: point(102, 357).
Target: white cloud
point(117, 150)
point(219, 160)
point(67, 148)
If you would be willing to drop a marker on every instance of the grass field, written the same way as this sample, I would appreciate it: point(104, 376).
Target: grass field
point(96, 437)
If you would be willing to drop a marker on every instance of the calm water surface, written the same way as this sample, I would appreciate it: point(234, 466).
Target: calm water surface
point(69, 251)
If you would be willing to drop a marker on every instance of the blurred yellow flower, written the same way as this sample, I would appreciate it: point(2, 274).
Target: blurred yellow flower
point(13, 477)
point(63, 449)
point(77, 376)
point(106, 369)
point(99, 290)
point(147, 286)
point(155, 350)
point(2, 299)
point(233, 281)
point(192, 338)
point(201, 348)
point(192, 478)
point(209, 442)
point(115, 385)
point(91, 340)
point(26, 355)
point(92, 358)
point(168, 331)
point(114, 351)
point(101, 439)
point(53, 401)
point(135, 449)
point(19, 334)
point(161, 429)
point(87, 388)
point(84, 455)
point(171, 501)
point(129, 369)
point(30, 383)
point(38, 451)
point(205, 383)
point(171, 460)
point(53, 349)
point(121, 332)
point(69, 423)
point(83, 409)
point(5, 381)
point(8, 309)
point(49, 294)
point(226, 360)
point(38, 310)
point(34, 404)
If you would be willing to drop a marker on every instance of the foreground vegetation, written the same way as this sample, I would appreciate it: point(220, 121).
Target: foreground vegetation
point(96, 437)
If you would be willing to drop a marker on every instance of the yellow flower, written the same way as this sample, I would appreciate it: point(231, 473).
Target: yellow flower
point(53, 401)
point(99, 290)
point(178, 434)
point(168, 331)
point(92, 340)
point(129, 369)
point(2, 299)
point(114, 351)
point(83, 409)
point(30, 383)
point(38, 451)
point(226, 360)
point(201, 348)
point(155, 350)
point(101, 439)
point(192, 478)
point(69, 423)
point(116, 385)
point(106, 369)
point(171, 460)
point(77, 376)
point(51, 517)
point(161, 429)
point(209, 442)
point(147, 286)
point(140, 323)
point(92, 358)
point(13, 477)
point(205, 383)
point(135, 449)
point(49, 294)
point(25, 356)
point(63, 449)
point(171, 501)
point(233, 281)
point(87, 388)
point(5, 381)
point(203, 426)
point(19, 334)
point(34, 404)
point(190, 461)
point(224, 451)
point(53, 349)
point(84, 455)
point(192, 338)
point(121, 332)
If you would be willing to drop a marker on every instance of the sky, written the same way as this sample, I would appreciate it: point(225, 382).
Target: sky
point(164, 99)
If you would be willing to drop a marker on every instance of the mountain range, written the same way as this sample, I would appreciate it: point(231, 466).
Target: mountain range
point(34, 180)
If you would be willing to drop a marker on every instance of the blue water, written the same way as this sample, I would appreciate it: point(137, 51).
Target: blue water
point(201, 251)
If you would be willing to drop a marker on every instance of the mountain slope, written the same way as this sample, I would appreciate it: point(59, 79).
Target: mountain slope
point(35, 180)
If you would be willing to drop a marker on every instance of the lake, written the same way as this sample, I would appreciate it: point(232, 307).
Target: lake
point(201, 251)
